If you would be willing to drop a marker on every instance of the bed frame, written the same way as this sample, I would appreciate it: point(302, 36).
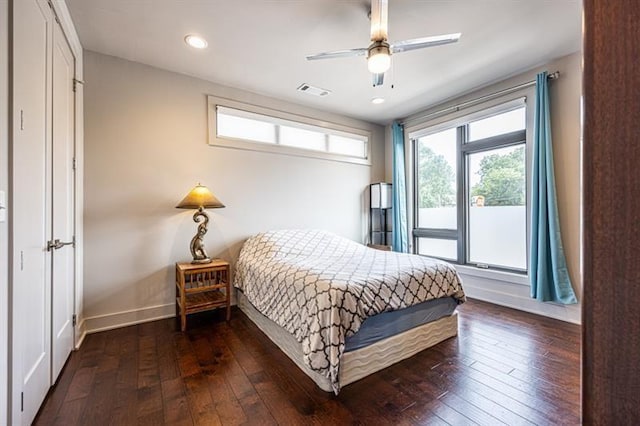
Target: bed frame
point(362, 362)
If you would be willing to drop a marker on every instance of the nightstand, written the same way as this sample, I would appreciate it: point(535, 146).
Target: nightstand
point(380, 247)
point(202, 287)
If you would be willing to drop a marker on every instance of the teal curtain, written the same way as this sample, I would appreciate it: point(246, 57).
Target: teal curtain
point(400, 234)
point(548, 272)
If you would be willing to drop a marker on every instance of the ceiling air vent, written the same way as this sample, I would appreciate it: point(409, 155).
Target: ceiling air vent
point(316, 91)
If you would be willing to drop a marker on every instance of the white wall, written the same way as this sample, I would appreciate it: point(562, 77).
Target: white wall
point(4, 186)
point(146, 147)
point(565, 96)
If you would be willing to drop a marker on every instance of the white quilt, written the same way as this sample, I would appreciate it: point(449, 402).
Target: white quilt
point(321, 287)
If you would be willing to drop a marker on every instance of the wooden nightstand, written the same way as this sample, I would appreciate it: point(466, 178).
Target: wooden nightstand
point(202, 287)
point(379, 247)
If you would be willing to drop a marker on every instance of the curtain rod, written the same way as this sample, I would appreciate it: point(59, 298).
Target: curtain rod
point(466, 104)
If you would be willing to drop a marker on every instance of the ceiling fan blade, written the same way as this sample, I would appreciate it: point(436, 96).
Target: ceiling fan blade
point(379, 20)
point(421, 43)
point(378, 79)
point(338, 54)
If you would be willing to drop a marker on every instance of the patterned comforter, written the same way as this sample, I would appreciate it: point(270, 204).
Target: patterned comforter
point(321, 287)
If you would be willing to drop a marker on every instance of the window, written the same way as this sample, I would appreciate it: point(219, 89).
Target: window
point(470, 196)
point(237, 125)
point(245, 126)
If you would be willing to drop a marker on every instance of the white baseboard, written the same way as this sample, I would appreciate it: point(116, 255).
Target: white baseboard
point(81, 333)
point(125, 318)
point(516, 296)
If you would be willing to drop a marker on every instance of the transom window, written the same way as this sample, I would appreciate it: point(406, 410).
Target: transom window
point(237, 125)
point(470, 190)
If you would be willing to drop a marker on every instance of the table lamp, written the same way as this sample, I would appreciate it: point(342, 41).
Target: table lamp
point(200, 198)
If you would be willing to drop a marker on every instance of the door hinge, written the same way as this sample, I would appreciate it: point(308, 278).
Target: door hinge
point(21, 401)
point(55, 14)
point(75, 84)
point(74, 319)
point(73, 163)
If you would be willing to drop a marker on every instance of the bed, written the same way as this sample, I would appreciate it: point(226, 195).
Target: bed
point(340, 310)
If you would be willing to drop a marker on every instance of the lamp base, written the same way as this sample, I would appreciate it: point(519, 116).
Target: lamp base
point(197, 244)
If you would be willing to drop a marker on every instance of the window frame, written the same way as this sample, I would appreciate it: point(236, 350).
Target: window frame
point(464, 148)
point(279, 118)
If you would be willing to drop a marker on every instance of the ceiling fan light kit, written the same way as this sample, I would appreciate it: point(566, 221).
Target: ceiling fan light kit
point(380, 50)
point(379, 57)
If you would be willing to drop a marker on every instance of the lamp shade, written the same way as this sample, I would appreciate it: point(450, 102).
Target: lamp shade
point(200, 196)
point(381, 195)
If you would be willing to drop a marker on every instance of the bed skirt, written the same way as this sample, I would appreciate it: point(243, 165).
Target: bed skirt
point(362, 362)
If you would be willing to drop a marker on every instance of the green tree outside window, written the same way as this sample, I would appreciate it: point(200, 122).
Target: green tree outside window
point(502, 179)
point(436, 180)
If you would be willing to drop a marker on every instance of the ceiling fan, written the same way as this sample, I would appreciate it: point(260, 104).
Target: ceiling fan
point(380, 50)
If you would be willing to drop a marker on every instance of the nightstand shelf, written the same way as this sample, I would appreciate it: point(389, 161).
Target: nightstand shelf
point(202, 287)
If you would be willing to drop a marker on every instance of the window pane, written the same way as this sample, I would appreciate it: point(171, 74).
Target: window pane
point(301, 138)
point(447, 249)
point(436, 180)
point(238, 126)
point(497, 212)
point(245, 128)
point(498, 124)
point(347, 146)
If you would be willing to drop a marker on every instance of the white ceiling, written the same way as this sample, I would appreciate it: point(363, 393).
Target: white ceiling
point(260, 45)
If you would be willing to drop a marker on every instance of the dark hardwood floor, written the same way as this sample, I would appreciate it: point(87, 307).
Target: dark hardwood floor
point(505, 367)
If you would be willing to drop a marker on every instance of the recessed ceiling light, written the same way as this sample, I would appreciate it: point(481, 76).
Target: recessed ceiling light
point(377, 101)
point(195, 41)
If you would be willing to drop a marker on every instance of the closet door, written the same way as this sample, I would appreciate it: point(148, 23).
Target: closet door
point(62, 286)
point(31, 226)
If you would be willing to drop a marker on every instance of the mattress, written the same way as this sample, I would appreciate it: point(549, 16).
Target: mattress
point(358, 363)
point(387, 324)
